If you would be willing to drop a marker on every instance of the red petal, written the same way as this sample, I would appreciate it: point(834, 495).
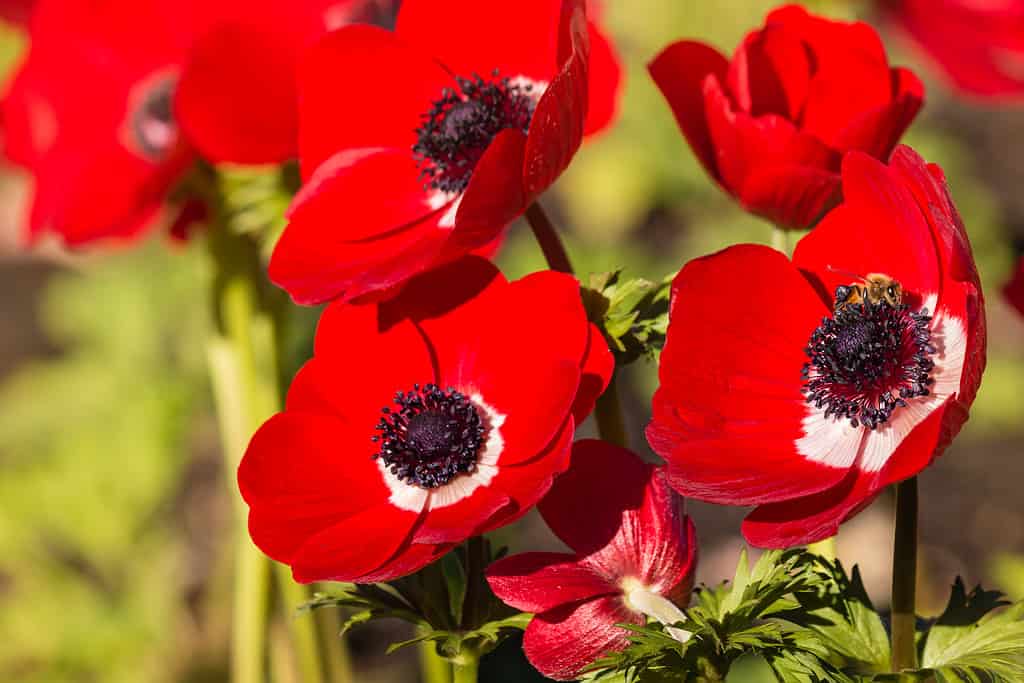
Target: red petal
point(290, 476)
point(237, 98)
point(395, 82)
point(562, 642)
point(977, 46)
point(328, 250)
point(1013, 290)
point(527, 483)
point(535, 582)
point(556, 129)
point(680, 71)
point(770, 73)
point(385, 179)
point(875, 196)
point(354, 548)
point(378, 363)
point(494, 197)
point(876, 131)
point(812, 518)
point(472, 37)
point(760, 160)
point(728, 424)
point(605, 84)
point(496, 362)
point(612, 479)
point(410, 558)
point(655, 543)
point(598, 367)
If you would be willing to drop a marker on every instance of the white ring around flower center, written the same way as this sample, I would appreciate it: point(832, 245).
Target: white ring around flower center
point(415, 498)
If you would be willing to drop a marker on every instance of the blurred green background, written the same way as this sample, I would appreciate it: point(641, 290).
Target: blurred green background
point(114, 509)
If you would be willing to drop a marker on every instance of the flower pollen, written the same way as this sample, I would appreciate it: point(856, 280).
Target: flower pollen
point(460, 126)
point(433, 437)
point(867, 360)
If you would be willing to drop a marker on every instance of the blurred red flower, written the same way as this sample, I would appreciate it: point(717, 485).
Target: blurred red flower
point(978, 46)
point(16, 11)
point(805, 408)
point(115, 100)
point(462, 117)
point(1014, 289)
point(771, 126)
point(422, 421)
point(630, 540)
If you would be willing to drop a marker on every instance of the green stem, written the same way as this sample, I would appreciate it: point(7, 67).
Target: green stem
point(435, 669)
point(548, 239)
point(608, 415)
point(301, 628)
point(780, 240)
point(465, 670)
point(825, 547)
point(904, 577)
point(337, 658)
point(233, 377)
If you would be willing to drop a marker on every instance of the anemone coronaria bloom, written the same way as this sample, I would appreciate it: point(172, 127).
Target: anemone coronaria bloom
point(438, 415)
point(771, 125)
point(462, 116)
point(775, 393)
point(116, 99)
point(977, 46)
point(632, 547)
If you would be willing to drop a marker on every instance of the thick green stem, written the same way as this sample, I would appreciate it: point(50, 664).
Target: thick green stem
point(611, 425)
point(233, 377)
point(904, 577)
point(433, 667)
point(548, 239)
point(465, 670)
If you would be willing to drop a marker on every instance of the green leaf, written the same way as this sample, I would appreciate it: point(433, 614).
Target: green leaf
point(845, 621)
point(975, 639)
point(633, 314)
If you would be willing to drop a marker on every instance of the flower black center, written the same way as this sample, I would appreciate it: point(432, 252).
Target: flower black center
point(433, 437)
point(867, 360)
point(152, 123)
point(459, 127)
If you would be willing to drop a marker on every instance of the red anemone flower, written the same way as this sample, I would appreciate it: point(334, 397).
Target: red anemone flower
point(772, 125)
point(978, 46)
point(798, 399)
point(1014, 289)
point(16, 11)
point(632, 546)
point(465, 114)
point(422, 421)
point(116, 99)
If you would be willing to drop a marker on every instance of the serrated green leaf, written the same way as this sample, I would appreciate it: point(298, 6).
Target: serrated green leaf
point(975, 640)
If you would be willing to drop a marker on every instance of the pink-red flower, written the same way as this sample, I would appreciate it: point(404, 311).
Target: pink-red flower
point(772, 124)
point(773, 395)
point(441, 414)
point(632, 545)
point(978, 46)
point(1014, 289)
point(422, 144)
point(116, 99)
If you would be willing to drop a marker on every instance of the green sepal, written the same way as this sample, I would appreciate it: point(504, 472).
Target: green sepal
point(632, 314)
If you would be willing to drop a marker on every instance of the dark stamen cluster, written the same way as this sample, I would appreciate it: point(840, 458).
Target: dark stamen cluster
point(433, 437)
point(460, 126)
point(867, 360)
